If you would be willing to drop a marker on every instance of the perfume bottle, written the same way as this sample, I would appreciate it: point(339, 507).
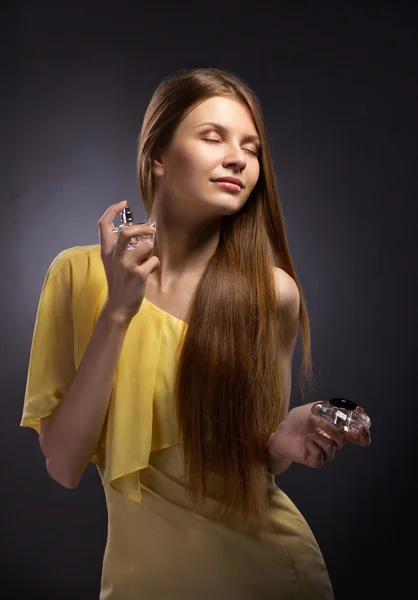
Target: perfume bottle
point(127, 219)
point(343, 413)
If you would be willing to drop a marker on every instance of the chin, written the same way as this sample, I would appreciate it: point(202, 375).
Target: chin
point(224, 209)
point(225, 203)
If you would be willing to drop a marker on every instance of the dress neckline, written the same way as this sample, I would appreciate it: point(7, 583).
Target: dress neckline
point(164, 311)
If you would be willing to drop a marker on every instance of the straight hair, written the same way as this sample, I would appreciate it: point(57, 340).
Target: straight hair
point(228, 388)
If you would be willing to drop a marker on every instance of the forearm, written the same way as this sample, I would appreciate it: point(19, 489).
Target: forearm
point(71, 434)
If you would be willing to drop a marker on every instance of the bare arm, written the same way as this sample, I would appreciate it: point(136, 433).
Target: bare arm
point(69, 436)
point(288, 298)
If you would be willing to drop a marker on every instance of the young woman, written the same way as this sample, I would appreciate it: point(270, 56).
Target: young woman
point(169, 366)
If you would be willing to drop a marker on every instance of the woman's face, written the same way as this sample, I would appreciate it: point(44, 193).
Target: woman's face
point(217, 139)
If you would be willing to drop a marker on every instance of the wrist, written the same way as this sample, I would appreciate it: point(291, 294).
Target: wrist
point(273, 446)
point(114, 319)
point(276, 462)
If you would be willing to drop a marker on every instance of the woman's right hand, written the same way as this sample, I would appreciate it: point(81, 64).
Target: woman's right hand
point(126, 271)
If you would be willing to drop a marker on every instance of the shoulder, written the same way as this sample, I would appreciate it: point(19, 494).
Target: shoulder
point(287, 294)
point(76, 278)
point(288, 304)
point(77, 259)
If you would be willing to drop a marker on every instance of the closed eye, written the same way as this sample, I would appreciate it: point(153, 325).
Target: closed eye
point(253, 152)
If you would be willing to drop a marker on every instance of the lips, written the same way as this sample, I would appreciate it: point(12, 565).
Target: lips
point(232, 180)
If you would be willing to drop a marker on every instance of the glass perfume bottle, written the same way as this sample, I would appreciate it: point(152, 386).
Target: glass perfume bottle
point(127, 219)
point(345, 414)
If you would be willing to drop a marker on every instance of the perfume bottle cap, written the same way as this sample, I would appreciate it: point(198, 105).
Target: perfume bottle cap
point(126, 215)
point(343, 403)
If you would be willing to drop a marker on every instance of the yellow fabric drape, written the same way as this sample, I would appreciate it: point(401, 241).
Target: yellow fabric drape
point(141, 417)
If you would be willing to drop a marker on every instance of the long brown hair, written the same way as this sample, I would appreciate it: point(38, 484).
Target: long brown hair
point(228, 384)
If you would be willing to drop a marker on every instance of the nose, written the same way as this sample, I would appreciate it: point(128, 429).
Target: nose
point(235, 158)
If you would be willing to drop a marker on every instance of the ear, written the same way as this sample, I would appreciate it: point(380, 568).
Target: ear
point(158, 167)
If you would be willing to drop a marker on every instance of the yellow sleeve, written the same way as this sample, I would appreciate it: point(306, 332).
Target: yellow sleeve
point(51, 362)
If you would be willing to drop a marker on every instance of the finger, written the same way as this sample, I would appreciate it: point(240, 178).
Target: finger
point(125, 236)
point(315, 457)
point(140, 254)
point(149, 265)
point(327, 445)
point(105, 228)
point(334, 432)
point(361, 437)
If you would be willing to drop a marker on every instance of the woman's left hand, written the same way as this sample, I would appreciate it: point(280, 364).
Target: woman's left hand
point(309, 440)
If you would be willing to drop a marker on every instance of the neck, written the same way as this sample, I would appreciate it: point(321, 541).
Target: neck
point(182, 248)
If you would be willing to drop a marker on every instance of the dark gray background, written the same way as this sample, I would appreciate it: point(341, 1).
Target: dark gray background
point(339, 90)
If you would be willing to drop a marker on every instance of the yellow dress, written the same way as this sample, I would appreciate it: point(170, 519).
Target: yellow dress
point(157, 547)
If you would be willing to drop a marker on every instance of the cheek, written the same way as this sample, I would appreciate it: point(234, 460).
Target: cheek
point(187, 170)
point(254, 174)
point(185, 162)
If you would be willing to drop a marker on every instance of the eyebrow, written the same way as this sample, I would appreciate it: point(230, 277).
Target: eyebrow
point(247, 138)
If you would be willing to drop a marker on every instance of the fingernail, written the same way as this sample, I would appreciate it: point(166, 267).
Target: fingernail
point(316, 419)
